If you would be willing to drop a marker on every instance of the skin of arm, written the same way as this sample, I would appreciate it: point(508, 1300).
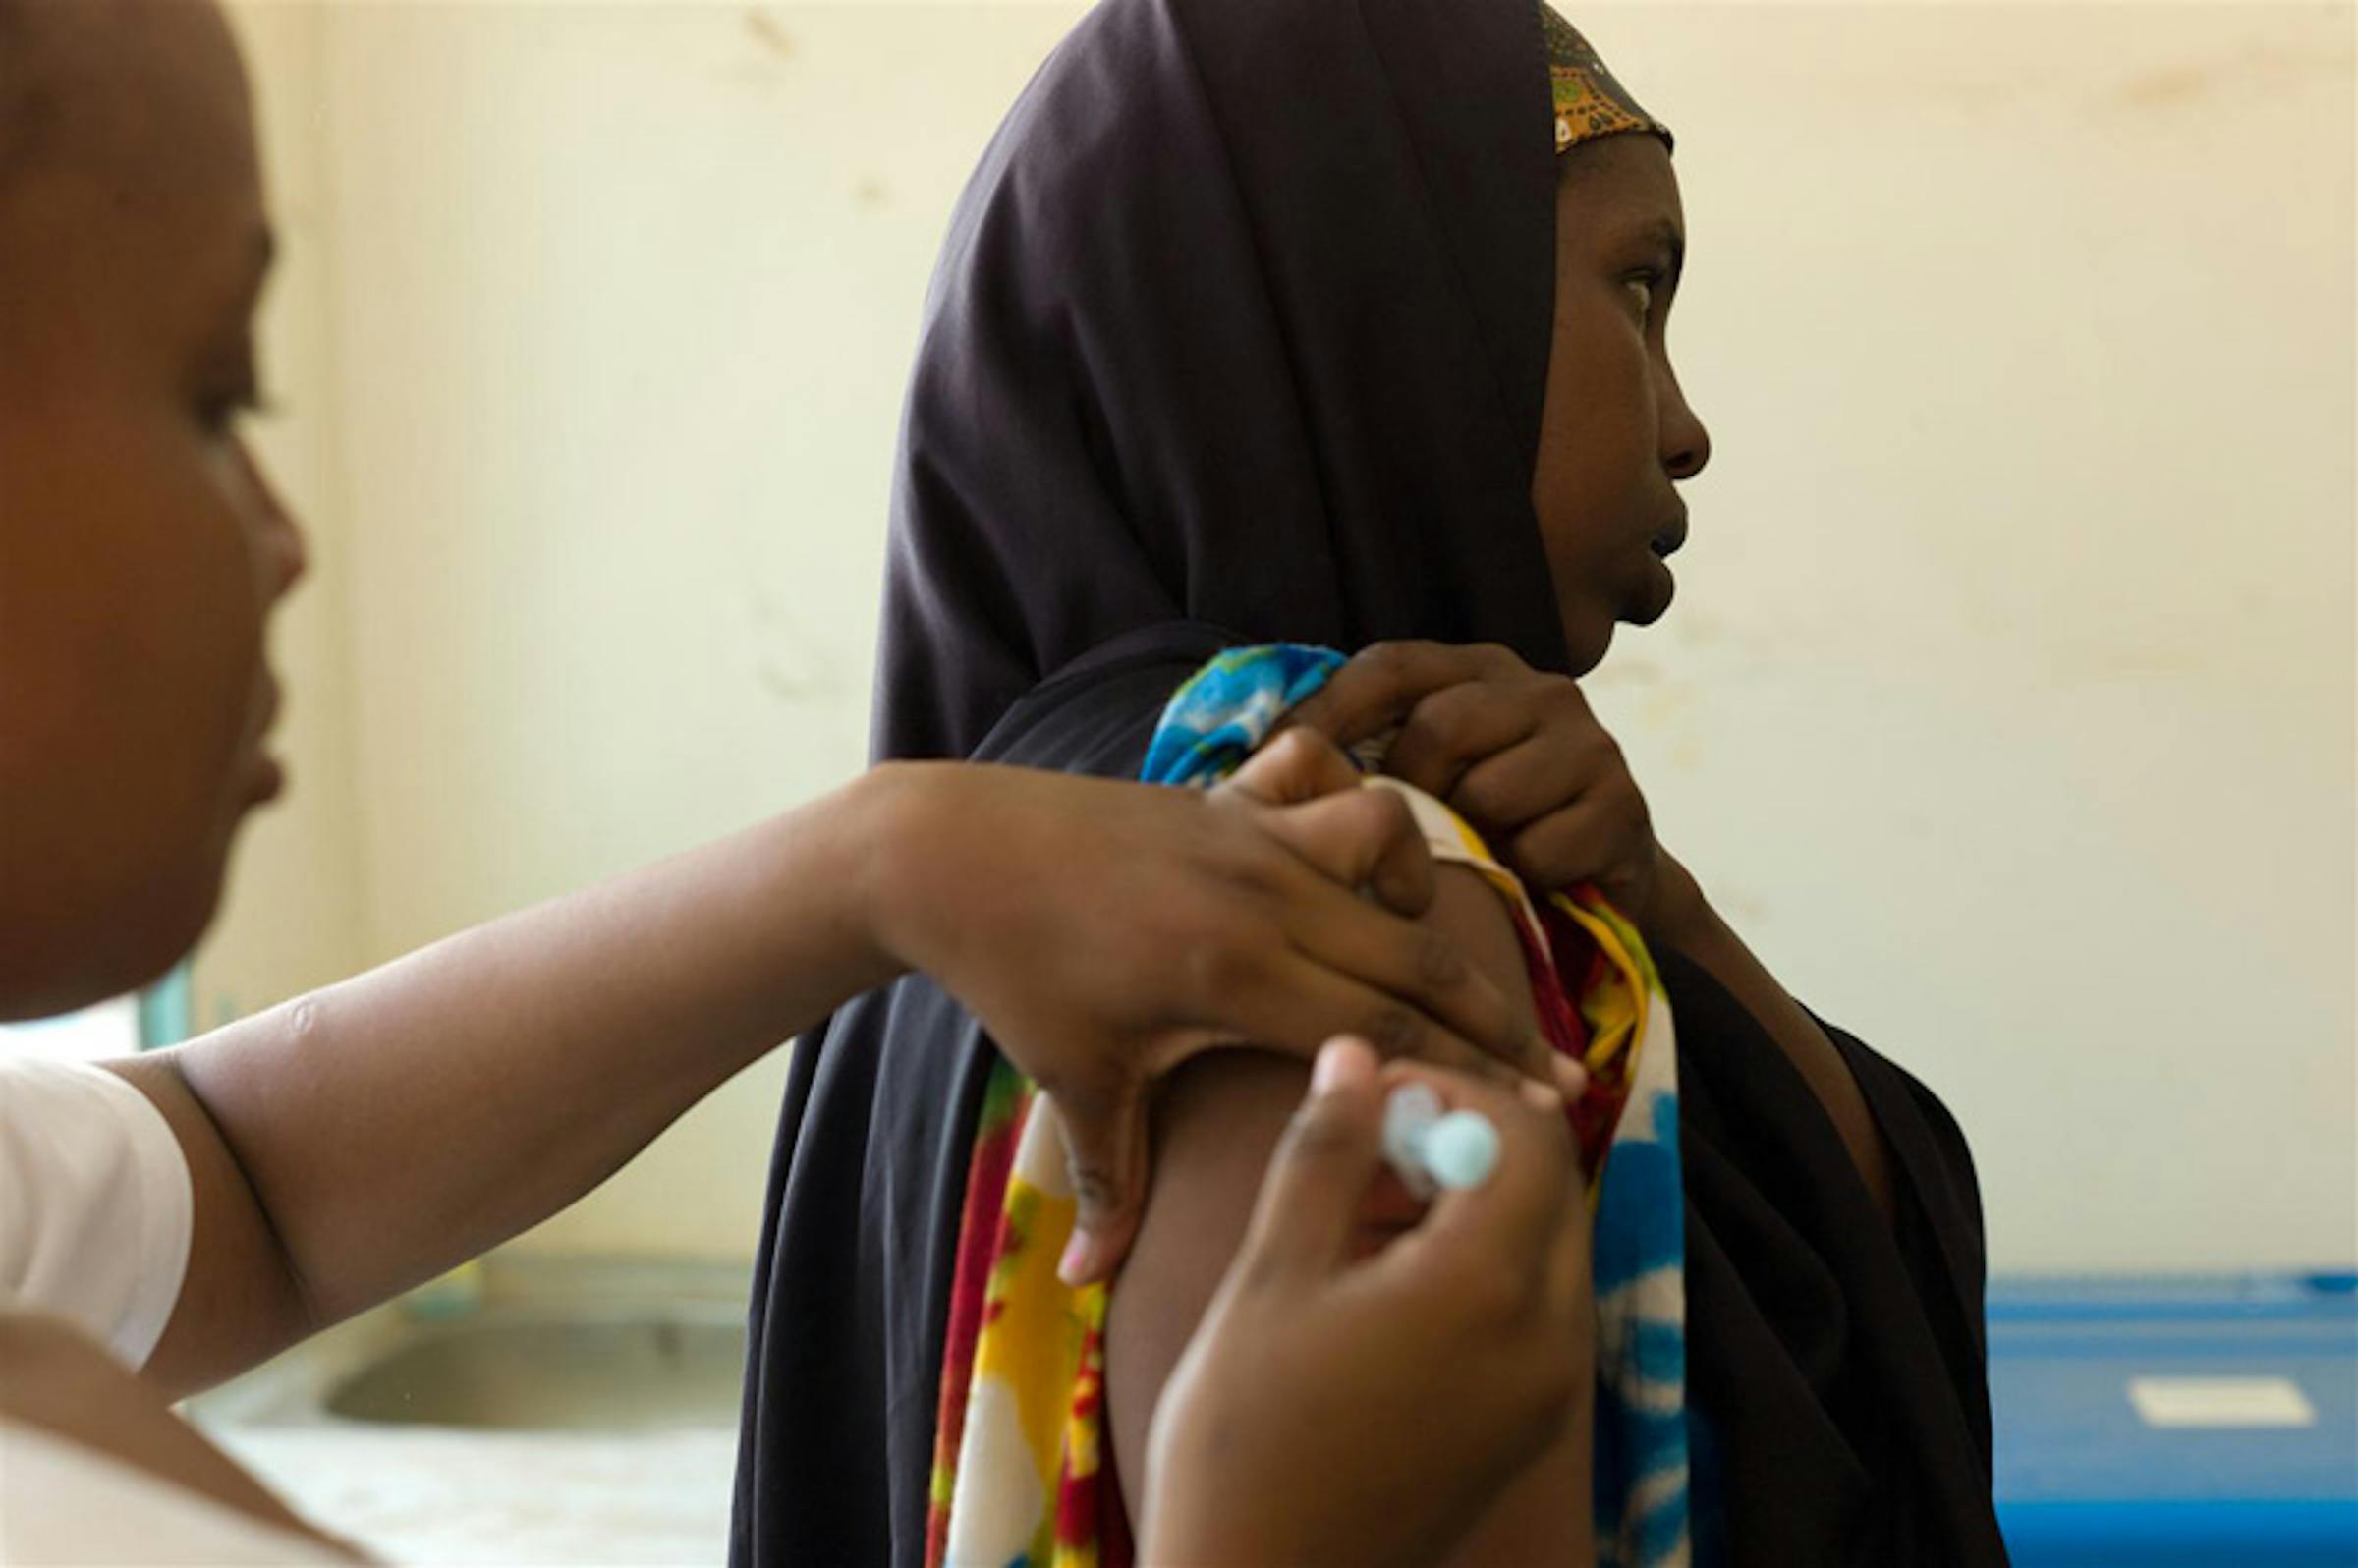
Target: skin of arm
point(363, 1139)
point(373, 1135)
point(360, 1139)
point(1215, 1121)
point(368, 1137)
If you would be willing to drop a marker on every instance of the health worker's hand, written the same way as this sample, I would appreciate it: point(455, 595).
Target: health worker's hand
point(1368, 1413)
point(1105, 932)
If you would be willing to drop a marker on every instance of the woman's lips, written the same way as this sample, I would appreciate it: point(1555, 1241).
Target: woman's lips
point(1658, 584)
point(1658, 587)
point(268, 775)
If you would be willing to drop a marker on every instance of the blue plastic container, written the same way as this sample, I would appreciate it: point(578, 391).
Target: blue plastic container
point(2207, 1423)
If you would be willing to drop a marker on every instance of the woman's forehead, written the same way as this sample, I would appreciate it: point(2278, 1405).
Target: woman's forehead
point(143, 144)
point(1620, 180)
point(148, 96)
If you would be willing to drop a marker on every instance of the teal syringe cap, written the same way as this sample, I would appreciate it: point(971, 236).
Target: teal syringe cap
point(1461, 1150)
point(1430, 1149)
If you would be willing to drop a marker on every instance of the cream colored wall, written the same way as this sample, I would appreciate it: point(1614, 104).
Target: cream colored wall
point(2010, 702)
point(2008, 705)
point(293, 918)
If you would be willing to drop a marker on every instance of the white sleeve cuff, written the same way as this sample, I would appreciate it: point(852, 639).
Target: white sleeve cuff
point(97, 1208)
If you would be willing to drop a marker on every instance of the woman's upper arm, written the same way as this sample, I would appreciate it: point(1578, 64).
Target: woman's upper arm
point(1217, 1120)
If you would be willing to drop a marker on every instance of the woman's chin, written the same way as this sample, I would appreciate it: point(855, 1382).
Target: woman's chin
point(1655, 591)
point(1588, 637)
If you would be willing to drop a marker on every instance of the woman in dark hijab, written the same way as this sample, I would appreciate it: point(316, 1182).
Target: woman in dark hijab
point(1251, 327)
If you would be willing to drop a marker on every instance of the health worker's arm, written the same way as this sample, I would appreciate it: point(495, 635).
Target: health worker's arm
point(363, 1139)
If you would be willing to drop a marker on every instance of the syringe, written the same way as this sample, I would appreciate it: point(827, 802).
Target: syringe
point(1432, 1149)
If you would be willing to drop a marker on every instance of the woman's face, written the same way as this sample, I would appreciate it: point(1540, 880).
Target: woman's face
point(1616, 435)
point(143, 549)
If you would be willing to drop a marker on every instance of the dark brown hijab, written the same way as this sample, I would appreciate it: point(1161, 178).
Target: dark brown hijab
point(1244, 319)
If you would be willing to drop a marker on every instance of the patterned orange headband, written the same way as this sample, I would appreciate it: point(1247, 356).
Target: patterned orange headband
point(1589, 102)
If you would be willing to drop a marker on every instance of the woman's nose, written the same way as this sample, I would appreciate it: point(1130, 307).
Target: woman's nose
point(279, 538)
point(1686, 444)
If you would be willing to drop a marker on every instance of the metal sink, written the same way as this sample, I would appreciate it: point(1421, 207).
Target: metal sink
point(519, 1371)
point(553, 1410)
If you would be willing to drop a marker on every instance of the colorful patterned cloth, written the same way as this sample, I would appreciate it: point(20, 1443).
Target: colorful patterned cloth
point(1589, 101)
point(1019, 1476)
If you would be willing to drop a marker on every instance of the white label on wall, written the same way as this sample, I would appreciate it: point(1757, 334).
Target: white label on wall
point(2221, 1402)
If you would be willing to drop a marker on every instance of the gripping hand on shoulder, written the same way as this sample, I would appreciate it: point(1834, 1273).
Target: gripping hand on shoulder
point(1105, 932)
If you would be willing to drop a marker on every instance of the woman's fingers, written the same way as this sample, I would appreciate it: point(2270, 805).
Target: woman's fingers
point(1600, 838)
point(1366, 838)
point(1422, 964)
point(1550, 767)
point(1369, 838)
point(1378, 688)
point(1522, 1210)
point(1454, 729)
point(1295, 1002)
point(1295, 765)
point(1106, 1139)
point(1530, 1206)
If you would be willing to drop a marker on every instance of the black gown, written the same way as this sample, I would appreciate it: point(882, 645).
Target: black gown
point(1240, 333)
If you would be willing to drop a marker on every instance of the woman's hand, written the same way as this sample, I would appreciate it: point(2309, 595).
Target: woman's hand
point(1518, 753)
point(1368, 1413)
point(1105, 933)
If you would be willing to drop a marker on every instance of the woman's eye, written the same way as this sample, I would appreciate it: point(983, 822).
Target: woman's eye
point(1641, 294)
point(220, 414)
point(226, 387)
